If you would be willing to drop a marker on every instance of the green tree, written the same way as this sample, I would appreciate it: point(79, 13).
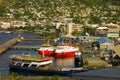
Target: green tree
point(55, 77)
point(46, 41)
point(46, 78)
point(15, 76)
point(2, 10)
point(76, 33)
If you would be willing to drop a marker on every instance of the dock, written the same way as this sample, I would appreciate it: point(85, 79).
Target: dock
point(4, 47)
point(32, 38)
point(94, 62)
point(25, 47)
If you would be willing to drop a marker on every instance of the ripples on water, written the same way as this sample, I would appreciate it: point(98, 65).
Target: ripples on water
point(5, 37)
point(4, 60)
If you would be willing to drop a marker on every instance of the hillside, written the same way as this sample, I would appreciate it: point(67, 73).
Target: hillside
point(92, 11)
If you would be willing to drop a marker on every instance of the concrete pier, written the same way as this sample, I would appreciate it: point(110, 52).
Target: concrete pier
point(25, 47)
point(94, 62)
point(32, 38)
point(4, 47)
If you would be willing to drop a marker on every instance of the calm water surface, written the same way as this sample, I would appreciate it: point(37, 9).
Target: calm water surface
point(4, 60)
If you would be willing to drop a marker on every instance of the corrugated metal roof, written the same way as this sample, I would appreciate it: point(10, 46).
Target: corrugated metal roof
point(104, 40)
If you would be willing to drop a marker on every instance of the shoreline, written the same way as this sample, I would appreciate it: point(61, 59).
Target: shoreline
point(39, 77)
point(4, 47)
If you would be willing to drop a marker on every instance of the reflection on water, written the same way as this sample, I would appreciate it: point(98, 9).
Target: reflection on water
point(4, 60)
point(64, 62)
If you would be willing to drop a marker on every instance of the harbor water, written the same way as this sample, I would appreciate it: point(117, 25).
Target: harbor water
point(4, 60)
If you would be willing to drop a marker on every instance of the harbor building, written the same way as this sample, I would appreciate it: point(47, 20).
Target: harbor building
point(68, 28)
point(105, 43)
point(4, 25)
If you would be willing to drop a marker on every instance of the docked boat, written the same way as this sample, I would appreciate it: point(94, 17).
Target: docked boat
point(65, 51)
point(8, 32)
point(42, 66)
point(29, 62)
point(46, 50)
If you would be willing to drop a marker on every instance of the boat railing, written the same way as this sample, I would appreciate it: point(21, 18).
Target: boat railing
point(21, 61)
point(28, 60)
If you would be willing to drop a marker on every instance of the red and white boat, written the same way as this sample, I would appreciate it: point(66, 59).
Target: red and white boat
point(65, 51)
point(46, 50)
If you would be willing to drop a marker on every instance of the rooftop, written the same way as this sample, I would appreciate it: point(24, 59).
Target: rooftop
point(103, 40)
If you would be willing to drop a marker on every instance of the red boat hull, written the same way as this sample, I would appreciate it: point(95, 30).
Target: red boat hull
point(46, 52)
point(65, 54)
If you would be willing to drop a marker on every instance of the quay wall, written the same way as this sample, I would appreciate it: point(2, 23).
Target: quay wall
point(4, 47)
point(94, 62)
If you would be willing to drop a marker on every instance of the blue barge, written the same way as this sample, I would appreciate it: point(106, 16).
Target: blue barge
point(51, 71)
point(28, 63)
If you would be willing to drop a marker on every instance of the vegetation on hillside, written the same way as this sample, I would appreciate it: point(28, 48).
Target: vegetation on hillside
point(93, 11)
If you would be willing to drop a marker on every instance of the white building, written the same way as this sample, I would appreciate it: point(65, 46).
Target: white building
point(5, 25)
point(69, 27)
point(18, 23)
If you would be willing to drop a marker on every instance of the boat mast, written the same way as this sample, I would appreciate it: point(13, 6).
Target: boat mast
point(43, 54)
